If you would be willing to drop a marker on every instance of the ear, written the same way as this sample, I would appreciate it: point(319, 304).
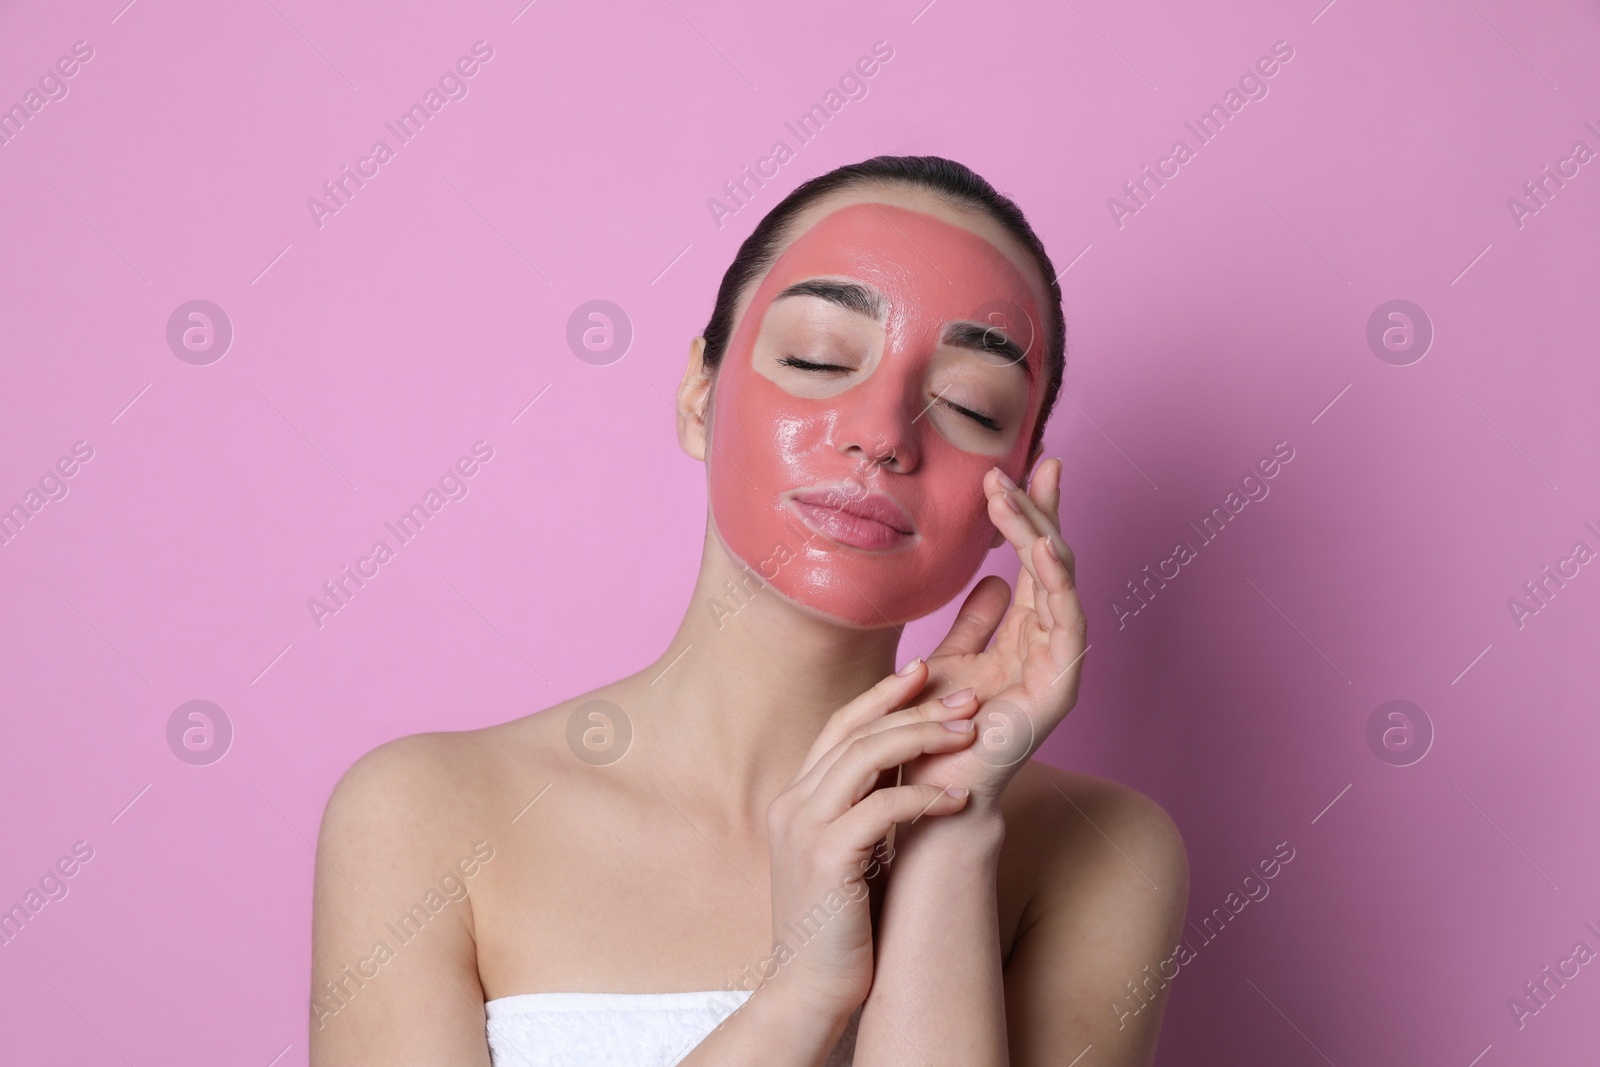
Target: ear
point(694, 403)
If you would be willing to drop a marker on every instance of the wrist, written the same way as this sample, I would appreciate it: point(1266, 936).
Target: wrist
point(977, 830)
point(778, 1014)
point(803, 1012)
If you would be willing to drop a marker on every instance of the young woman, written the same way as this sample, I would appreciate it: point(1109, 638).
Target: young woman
point(770, 846)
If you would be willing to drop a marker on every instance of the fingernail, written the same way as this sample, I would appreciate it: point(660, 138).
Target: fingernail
point(957, 791)
point(959, 726)
point(1005, 481)
point(909, 667)
point(1050, 546)
point(1012, 504)
point(955, 700)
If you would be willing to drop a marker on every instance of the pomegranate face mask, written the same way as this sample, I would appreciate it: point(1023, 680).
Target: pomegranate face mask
point(884, 364)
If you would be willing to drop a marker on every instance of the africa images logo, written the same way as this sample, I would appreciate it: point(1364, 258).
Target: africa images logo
point(452, 86)
point(1252, 85)
point(852, 85)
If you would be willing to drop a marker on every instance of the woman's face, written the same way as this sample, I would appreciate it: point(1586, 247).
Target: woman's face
point(888, 359)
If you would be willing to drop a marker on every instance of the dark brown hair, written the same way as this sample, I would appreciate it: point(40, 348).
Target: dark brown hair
point(943, 177)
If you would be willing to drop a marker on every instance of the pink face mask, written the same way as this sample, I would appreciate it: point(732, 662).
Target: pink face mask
point(849, 448)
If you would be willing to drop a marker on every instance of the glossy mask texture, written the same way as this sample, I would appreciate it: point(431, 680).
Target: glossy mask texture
point(776, 430)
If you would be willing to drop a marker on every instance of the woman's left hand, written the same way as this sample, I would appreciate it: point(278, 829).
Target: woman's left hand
point(1027, 682)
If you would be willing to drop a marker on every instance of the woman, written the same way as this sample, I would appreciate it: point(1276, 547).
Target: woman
point(769, 846)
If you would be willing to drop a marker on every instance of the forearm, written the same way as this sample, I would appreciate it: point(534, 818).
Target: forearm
point(937, 995)
point(775, 1026)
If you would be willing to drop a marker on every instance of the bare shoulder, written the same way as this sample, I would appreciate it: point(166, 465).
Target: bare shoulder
point(1102, 880)
point(405, 837)
point(447, 777)
point(1076, 826)
point(408, 788)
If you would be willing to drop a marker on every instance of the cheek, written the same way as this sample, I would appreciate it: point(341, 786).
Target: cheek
point(765, 435)
point(954, 522)
point(953, 513)
point(760, 440)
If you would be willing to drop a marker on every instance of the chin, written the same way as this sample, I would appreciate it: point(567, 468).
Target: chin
point(846, 586)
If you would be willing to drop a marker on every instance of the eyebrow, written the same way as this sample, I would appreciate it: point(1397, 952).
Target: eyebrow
point(869, 302)
point(981, 338)
point(848, 295)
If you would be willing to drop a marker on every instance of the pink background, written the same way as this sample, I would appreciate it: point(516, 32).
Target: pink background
point(370, 353)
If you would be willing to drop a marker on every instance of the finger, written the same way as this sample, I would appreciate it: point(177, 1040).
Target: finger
point(1018, 528)
point(958, 705)
point(855, 771)
point(1027, 589)
point(870, 767)
point(1049, 504)
point(1069, 630)
point(1045, 563)
point(1046, 523)
point(1043, 521)
point(1044, 487)
point(888, 693)
point(868, 821)
point(1013, 524)
point(975, 623)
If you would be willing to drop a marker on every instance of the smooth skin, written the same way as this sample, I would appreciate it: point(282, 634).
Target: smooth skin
point(761, 777)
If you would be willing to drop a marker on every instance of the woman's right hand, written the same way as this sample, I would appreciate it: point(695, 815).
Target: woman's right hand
point(824, 828)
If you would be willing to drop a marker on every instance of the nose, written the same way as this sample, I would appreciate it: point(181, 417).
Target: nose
point(878, 421)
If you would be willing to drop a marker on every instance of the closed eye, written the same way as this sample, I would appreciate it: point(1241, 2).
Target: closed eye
point(987, 422)
point(807, 365)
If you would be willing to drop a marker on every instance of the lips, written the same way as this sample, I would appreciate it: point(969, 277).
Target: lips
point(873, 521)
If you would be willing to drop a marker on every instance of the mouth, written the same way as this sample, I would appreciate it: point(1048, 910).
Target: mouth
point(872, 521)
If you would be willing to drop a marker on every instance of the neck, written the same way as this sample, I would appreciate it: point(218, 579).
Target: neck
point(730, 709)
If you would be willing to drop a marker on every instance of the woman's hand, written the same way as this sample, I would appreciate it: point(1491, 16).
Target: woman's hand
point(1028, 681)
point(825, 828)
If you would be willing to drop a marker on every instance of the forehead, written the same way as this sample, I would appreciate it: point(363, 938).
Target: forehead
point(927, 255)
point(916, 250)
